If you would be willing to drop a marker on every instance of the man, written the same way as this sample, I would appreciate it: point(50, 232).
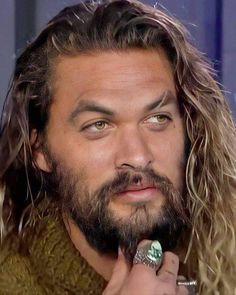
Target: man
point(116, 145)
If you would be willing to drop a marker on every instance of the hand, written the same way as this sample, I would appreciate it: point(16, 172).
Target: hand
point(140, 279)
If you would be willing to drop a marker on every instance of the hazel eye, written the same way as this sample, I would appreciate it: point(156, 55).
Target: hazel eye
point(100, 125)
point(160, 119)
point(96, 126)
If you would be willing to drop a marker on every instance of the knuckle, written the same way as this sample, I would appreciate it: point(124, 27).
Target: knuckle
point(166, 276)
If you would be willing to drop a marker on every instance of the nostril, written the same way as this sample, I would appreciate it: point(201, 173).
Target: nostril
point(137, 179)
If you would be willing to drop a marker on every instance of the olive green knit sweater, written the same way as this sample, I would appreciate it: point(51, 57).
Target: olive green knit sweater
point(46, 263)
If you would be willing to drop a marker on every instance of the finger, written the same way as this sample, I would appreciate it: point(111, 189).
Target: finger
point(169, 269)
point(119, 274)
point(146, 275)
point(182, 290)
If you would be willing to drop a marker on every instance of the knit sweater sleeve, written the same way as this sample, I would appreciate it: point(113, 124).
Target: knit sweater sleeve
point(16, 277)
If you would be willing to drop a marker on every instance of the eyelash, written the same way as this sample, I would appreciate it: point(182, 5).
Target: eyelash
point(93, 124)
point(168, 118)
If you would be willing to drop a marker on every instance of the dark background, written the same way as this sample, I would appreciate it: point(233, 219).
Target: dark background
point(212, 24)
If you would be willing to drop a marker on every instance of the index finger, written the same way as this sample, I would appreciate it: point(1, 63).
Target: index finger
point(141, 270)
point(142, 276)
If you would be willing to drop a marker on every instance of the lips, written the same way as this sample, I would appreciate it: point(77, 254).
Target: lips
point(138, 193)
point(139, 187)
point(136, 188)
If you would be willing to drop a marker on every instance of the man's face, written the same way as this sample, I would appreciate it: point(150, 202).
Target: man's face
point(115, 143)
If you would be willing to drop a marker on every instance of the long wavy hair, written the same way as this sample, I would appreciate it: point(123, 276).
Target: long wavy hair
point(211, 166)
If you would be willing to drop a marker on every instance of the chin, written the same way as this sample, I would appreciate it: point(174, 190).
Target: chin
point(139, 215)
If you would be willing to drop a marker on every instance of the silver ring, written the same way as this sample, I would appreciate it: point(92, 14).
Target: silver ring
point(187, 283)
point(150, 255)
point(190, 285)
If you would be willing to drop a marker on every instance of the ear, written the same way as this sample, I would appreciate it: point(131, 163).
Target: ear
point(38, 153)
point(40, 160)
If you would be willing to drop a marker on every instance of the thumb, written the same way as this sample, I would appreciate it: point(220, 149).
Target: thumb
point(119, 274)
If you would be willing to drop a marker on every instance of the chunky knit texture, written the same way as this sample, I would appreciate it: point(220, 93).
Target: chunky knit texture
point(46, 262)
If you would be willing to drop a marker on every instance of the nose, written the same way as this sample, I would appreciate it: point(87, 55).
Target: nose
point(133, 150)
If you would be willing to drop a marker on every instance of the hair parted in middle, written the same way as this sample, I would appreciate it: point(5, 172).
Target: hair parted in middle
point(93, 27)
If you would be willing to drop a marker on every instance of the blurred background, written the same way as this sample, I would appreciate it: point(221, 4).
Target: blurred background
point(212, 24)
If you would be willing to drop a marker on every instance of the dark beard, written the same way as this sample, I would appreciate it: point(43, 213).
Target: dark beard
point(103, 231)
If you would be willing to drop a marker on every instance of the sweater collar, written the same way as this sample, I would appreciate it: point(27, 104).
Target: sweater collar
point(56, 260)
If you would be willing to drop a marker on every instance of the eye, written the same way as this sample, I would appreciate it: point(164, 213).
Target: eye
point(96, 126)
point(158, 122)
point(100, 125)
point(159, 119)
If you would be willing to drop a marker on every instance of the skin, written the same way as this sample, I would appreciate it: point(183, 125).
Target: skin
point(125, 83)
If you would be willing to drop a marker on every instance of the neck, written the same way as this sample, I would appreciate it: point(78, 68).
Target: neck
point(102, 264)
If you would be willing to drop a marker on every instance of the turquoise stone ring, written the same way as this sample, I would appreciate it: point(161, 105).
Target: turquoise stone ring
point(150, 255)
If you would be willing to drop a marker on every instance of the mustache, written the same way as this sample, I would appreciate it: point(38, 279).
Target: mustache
point(124, 179)
point(127, 178)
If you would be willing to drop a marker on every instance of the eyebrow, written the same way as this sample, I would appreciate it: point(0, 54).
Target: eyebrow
point(166, 97)
point(89, 106)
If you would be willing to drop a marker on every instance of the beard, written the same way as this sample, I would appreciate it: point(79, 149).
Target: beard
point(101, 226)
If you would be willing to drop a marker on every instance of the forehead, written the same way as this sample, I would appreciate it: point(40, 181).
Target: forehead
point(101, 75)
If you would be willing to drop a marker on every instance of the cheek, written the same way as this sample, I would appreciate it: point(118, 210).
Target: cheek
point(170, 158)
point(92, 160)
point(95, 165)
